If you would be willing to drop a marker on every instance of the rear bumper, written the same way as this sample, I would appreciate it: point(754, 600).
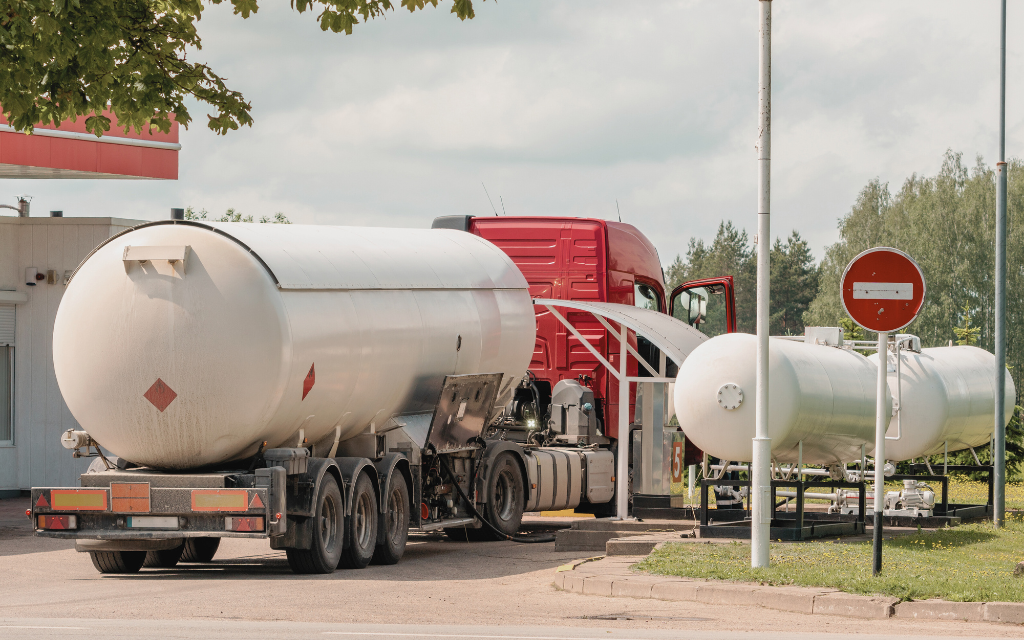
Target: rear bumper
point(154, 514)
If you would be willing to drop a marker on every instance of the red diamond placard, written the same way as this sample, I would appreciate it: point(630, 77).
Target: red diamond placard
point(307, 384)
point(160, 395)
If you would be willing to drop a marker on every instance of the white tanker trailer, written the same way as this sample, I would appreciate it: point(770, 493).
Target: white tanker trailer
point(821, 400)
point(822, 407)
point(328, 388)
point(940, 399)
point(278, 334)
point(945, 399)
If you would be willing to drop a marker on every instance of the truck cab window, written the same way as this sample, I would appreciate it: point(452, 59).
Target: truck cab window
point(703, 308)
point(646, 297)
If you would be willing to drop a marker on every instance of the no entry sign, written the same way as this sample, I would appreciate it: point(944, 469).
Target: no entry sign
point(883, 289)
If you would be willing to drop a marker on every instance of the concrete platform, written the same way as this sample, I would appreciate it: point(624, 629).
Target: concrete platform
point(592, 535)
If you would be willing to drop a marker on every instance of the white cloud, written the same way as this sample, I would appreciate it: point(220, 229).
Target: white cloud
point(562, 107)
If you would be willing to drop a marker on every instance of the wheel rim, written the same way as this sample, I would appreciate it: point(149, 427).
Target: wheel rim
point(396, 515)
point(504, 495)
point(362, 524)
point(329, 523)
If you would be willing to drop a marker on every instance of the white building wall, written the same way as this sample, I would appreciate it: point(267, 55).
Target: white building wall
point(36, 457)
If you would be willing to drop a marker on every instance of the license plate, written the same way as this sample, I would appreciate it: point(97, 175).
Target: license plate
point(152, 522)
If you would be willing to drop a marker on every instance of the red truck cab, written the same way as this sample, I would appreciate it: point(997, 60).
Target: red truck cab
point(579, 259)
point(590, 260)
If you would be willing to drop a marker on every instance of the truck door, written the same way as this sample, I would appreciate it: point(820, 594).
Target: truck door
point(706, 305)
point(709, 306)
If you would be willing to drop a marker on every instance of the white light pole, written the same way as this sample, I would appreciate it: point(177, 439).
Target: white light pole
point(760, 469)
point(999, 442)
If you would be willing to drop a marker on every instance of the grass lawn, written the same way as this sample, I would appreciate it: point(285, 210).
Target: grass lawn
point(965, 491)
point(968, 563)
point(962, 490)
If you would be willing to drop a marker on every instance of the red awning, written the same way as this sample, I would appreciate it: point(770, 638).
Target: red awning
point(69, 151)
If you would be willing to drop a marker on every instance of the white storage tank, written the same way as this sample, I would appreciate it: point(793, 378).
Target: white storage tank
point(820, 395)
point(179, 345)
point(948, 395)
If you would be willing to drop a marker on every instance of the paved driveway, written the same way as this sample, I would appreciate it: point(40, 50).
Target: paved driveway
point(500, 588)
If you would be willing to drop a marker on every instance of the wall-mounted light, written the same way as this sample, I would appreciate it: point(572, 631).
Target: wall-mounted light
point(30, 276)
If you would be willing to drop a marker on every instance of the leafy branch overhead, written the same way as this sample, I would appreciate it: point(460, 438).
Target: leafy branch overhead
point(63, 59)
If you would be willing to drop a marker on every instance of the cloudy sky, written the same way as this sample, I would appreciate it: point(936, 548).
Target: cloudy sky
point(562, 107)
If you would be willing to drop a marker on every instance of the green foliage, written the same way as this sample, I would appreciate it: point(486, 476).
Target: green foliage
point(947, 223)
point(794, 276)
point(969, 563)
point(1014, 452)
point(231, 215)
point(967, 335)
point(851, 330)
point(794, 284)
point(728, 255)
point(62, 59)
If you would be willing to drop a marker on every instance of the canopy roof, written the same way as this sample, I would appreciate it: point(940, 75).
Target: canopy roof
point(674, 337)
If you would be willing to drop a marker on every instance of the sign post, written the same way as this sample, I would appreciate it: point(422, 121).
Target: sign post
point(882, 290)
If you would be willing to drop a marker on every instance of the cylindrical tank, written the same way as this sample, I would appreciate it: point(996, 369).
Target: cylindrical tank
point(822, 396)
point(180, 345)
point(948, 395)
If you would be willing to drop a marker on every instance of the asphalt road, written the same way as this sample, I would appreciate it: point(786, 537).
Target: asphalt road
point(224, 630)
point(494, 590)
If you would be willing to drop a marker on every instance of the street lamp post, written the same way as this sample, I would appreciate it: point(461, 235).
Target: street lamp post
point(999, 442)
point(760, 468)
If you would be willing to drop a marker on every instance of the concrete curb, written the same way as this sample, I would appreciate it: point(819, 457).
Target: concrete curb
point(612, 577)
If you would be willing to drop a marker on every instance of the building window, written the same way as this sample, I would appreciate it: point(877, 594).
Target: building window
point(6, 394)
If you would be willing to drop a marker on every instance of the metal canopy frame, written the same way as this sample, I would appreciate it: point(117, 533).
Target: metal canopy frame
point(674, 338)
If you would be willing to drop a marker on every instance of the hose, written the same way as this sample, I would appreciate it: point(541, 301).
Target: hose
point(478, 516)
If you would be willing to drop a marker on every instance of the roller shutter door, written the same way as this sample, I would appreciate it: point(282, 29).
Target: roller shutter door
point(6, 324)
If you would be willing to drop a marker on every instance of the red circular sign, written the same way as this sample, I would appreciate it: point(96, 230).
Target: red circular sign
point(883, 289)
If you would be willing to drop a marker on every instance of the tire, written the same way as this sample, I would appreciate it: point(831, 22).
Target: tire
point(393, 526)
point(362, 526)
point(117, 561)
point(328, 532)
point(199, 549)
point(506, 498)
point(165, 558)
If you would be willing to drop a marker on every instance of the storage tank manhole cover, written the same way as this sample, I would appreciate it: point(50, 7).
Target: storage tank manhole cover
point(730, 396)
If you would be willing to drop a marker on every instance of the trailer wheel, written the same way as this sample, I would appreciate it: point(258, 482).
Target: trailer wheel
point(362, 526)
point(394, 523)
point(328, 533)
point(505, 499)
point(117, 561)
point(199, 549)
point(165, 558)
